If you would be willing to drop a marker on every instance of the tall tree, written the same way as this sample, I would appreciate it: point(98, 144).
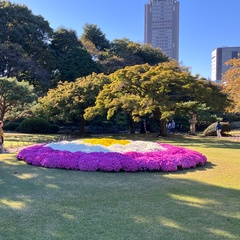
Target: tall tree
point(231, 84)
point(20, 26)
point(27, 36)
point(94, 34)
point(68, 101)
point(16, 98)
point(124, 52)
point(14, 62)
point(160, 91)
point(135, 53)
point(110, 64)
point(73, 61)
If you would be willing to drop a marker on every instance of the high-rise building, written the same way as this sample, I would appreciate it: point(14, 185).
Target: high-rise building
point(162, 26)
point(219, 57)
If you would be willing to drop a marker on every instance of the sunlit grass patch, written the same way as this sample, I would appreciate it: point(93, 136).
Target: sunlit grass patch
point(200, 203)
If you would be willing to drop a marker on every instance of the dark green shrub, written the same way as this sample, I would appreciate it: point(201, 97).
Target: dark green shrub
point(230, 117)
point(12, 126)
point(235, 125)
point(35, 125)
point(211, 131)
point(54, 128)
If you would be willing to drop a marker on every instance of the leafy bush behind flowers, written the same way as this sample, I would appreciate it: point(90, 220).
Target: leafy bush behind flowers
point(167, 158)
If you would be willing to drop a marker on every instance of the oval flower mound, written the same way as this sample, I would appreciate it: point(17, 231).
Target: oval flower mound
point(111, 155)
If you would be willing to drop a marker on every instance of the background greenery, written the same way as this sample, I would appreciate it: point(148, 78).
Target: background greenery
point(38, 203)
point(201, 203)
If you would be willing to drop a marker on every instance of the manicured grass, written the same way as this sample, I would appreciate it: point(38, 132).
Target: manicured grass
point(201, 203)
point(13, 140)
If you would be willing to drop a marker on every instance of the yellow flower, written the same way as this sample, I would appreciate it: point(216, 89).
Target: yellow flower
point(106, 141)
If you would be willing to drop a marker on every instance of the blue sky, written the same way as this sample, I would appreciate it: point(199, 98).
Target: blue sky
point(204, 24)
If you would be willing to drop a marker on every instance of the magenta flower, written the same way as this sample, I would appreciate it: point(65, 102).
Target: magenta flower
point(166, 158)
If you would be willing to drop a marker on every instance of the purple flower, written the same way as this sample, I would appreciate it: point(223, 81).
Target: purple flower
point(89, 162)
point(111, 162)
point(171, 159)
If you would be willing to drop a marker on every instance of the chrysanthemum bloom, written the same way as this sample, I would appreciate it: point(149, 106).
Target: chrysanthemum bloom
point(105, 154)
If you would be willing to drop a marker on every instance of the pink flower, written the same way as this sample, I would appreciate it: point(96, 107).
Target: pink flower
point(171, 158)
point(111, 162)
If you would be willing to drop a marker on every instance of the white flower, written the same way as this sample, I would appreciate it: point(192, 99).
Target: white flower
point(79, 145)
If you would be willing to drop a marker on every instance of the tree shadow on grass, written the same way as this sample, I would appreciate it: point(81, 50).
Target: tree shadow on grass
point(185, 140)
point(63, 204)
point(176, 139)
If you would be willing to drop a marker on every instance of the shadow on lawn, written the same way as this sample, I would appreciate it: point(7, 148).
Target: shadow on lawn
point(176, 139)
point(186, 140)
point(93, 205)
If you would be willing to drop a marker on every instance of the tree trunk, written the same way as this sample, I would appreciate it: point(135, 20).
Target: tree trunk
point(132, 127)
point(163, 129)
point(82, 126)
point(162, 123)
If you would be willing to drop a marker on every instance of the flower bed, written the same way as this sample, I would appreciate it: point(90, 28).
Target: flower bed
point(109, 155)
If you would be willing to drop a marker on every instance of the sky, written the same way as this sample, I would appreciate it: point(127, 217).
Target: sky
point(204, 24)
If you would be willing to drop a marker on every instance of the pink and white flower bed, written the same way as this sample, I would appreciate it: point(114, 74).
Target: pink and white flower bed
point(109, 155)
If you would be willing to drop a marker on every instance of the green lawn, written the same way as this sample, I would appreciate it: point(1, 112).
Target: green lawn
point(202, 203)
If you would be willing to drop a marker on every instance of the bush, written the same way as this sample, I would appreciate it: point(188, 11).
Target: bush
point(54, 128)
point(230, 117)
point(235, 125)
point(211, 130)
point(35, 125)
point(12, 126)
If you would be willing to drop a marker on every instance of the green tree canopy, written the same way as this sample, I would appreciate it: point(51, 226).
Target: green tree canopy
point(16, 98)
point(94, 34)
point(124, 52)
point(73, 61)
point(68, 101)
point(159, 91)
point(20, 26)
point(24, 44)
point(14, 62)
point(135, 53)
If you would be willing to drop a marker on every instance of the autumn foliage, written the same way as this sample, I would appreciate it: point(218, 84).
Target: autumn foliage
point(231, 83)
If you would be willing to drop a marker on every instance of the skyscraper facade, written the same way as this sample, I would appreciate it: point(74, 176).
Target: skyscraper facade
point(219, 57)
point(162, 26)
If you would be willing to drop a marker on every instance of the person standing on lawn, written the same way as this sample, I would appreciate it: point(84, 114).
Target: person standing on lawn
point(219, 129)
point(1, 137)
point(173, 126)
